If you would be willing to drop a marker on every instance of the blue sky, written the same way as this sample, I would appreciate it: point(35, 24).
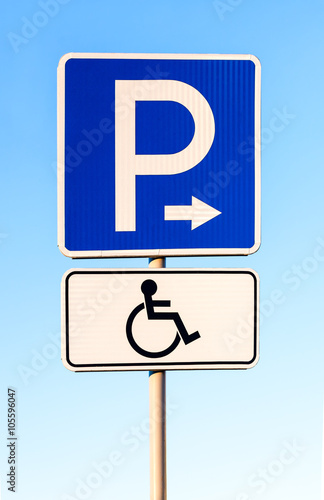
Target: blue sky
point(232, 435)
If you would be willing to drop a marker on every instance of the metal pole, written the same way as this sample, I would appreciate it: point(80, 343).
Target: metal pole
point(158, 425)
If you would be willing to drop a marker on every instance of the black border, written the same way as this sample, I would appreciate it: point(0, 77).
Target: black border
point(146, 366)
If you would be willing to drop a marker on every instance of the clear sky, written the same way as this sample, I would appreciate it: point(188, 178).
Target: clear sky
point(232, 435)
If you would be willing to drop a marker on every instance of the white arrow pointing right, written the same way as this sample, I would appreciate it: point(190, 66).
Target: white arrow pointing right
point(199, 212)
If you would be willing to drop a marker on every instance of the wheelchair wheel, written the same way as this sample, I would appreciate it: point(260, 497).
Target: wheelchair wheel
point(136, 347)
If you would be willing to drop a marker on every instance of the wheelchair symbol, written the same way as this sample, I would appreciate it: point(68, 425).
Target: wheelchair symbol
point(149, 288)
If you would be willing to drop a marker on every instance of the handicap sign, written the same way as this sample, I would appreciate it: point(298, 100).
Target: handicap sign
point(149, 288)
point(169, 319)
point(158, 155)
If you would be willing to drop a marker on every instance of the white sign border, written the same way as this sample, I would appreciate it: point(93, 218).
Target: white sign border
point(150, 366)
point(153, 252)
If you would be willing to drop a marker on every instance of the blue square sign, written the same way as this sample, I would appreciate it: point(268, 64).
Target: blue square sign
point(158, 155)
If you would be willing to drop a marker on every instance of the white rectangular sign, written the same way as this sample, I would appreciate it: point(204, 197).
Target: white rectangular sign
point(169, 319)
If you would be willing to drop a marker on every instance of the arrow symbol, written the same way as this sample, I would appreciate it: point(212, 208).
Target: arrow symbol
point(198, 212)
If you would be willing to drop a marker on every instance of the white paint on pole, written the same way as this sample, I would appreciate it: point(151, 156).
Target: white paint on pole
point(106, 324)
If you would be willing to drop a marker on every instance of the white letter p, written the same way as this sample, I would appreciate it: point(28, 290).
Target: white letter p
point(128, 164)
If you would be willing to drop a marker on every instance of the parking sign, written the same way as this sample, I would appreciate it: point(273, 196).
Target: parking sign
point(158, 155)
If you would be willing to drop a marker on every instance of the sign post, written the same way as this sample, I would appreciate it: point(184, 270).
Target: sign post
point(158, 474)
point(157, 392)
